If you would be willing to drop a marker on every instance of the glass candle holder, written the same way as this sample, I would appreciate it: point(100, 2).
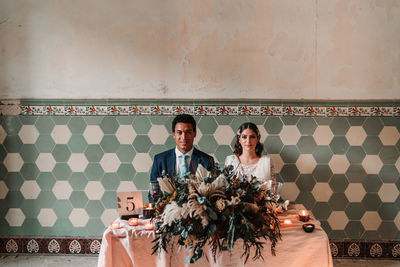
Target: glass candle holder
point(133, 221)
point(304, 216)
point(308, 227)
point(148, 210)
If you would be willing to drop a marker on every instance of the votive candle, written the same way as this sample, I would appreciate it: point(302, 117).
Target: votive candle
point(287, 221)
point(133, 221)
point(115, 225)
point(149, 226)
point(304, 215)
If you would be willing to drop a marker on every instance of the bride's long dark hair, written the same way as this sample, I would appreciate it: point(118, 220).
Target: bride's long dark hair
point(238, 147)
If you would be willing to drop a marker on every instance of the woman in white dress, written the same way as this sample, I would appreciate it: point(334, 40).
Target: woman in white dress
point(247, 159)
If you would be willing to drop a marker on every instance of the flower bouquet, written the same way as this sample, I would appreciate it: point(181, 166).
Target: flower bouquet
point(215, 208)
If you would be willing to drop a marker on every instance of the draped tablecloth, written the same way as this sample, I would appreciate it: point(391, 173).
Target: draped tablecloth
point(132, 246)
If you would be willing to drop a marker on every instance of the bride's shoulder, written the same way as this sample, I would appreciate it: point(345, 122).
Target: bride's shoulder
point(231, 159)
point(265, 159)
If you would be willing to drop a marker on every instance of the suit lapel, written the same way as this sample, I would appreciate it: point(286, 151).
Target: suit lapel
point(171, 161)
point(194, 161)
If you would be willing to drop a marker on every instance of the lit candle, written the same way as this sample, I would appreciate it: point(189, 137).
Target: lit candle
point(304, 215)
point(308, 227)
point(149, 226)
point(148, 211)
point(133, 221)
point(115, 225)
point(287, 221)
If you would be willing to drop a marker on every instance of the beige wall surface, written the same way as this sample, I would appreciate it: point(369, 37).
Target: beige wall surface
point(268, 49)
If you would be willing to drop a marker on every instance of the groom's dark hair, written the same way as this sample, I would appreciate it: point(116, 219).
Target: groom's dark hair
point(184, 118)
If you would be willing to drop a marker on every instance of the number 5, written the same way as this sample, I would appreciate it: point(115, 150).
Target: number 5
point(129, 202)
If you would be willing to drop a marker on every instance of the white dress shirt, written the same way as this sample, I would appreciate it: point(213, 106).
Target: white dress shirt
point(179, 158)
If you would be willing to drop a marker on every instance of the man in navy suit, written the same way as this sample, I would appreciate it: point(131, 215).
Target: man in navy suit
point(171, 161)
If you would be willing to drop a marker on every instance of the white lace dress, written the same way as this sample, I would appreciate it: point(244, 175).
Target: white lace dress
point(263, 169)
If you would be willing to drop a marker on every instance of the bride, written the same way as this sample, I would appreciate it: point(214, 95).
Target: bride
point(247, 159)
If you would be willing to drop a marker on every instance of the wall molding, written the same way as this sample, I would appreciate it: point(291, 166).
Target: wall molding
point(91, 246)
point(198, 108)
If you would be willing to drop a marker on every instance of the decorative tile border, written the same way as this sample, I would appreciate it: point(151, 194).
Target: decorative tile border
point(211, 110)
point(91, 246)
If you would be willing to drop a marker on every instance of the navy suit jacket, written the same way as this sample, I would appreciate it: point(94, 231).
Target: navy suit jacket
point(165, 161)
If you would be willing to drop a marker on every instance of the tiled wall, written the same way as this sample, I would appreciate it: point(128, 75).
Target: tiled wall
point(59, 174)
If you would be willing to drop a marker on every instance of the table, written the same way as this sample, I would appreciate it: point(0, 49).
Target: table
point(132, 246)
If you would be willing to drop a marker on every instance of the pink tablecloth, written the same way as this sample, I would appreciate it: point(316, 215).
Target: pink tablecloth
point(132, 246)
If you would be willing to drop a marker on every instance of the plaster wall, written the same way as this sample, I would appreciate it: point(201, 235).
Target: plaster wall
point(175, 49)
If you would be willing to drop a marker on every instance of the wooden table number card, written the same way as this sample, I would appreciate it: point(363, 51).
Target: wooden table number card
point(130, 203)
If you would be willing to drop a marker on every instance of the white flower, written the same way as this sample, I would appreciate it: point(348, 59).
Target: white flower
point(171, 213)
point(165, 185)
point(201, 173)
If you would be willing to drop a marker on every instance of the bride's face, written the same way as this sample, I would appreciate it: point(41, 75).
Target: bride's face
point(248, 139)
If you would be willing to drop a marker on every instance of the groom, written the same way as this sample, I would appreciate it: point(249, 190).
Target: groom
point(184, 157)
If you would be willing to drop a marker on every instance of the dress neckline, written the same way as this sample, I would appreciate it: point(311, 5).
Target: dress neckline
point(247, 165)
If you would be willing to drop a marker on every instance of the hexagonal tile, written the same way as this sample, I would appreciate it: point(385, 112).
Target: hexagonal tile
point(207, 125)
point(372, 183)
point(110, 143)
point(77, 143)
point(109, 216)
point(3, 134)
point(94, 208)
point(208, 144)
point(322, 173)
point(28, 134)
point(389, 135)
point(388, 211)
point(322, 192)
point(47, 217)
point(60, 120)
point(322, 154)
point(94, 190)
point(44, 124)
point(356, 135)
point(29, 171)
point(277, 162)
point(355, 192)
point(126, 153)
point(355, 211)
point(398, 164)
point(273, 144)
point(273, 125)
point(290, 154)
point(29, 153)
point(45, 162)
point(126, 134)
point(289, 173)
point(323, 135)
point(14, 181)
point(307, 199)
point(290, 120)
point(372, 164)
point(93, 134)
point(126, 186)
point(339, 145)
point(46, 181)
point(355, 154)
point(388, 192)
point(79, 217)
point(109, 200)
point(307, 126)
point(61, 153)
point(389, 174)
point(62, 190)
point(355, 173)
point(306, 163)
point(78, 162)
point(45, 143)
point(371, 201)
point(322, 211)
point(3, 190)
point(338, 183)
point(224, 135)
point(78, 199)
point(389, 154)
point(290, 192)
point(141, 124)
point(11, 124)
point(110, 162)
point(110, 181)
point(30, 189)
point(109, 125)
point(13, 162)
point(158, 134)
point(338, 220)
point(305, 182)
point(94, 171)
point(338, 201)
point(354, 229)
point(61, 134)
point(77, 125)
point(12, 143)
point(290, 135)
point(397, 221)
point(373, 126)
point(94, 153)
point(126, 171)
point(339, 126)
point(221, 153)
point(356, 121)
point(339, 164)
point(306, 144)
point(15, 217)
point(387, 230)
point(371, 220)
point(372, 145)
